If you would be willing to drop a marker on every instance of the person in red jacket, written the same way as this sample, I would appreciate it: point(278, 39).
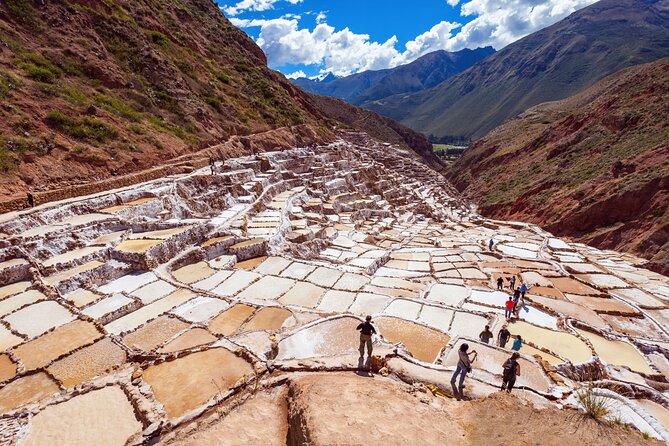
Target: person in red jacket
point(508, 309)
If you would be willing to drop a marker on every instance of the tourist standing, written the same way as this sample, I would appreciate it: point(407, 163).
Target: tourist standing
point(516, 298)
point(366, 331)
point(503, 336)
point(511, 371)
point(508, 311)
point(517, 343)
point(500, 283)
point(486, 335)
point(491, 243)
point(523, 289)
point(464, 366)
point(512, 282)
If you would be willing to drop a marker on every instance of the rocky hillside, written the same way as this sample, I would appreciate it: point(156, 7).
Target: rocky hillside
point(425, 72)
point(551, 64)
point(594, 166)
point(98, 88)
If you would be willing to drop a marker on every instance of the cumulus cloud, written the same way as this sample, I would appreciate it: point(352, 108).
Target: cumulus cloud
point(253, 5)
point(296, 75)
point(491, 23)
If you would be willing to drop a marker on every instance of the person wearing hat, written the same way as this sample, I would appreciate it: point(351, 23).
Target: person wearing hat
point(366, 330)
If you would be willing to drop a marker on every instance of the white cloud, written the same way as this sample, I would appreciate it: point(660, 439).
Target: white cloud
point(493, 22)
point(296, 75)
point(253, 5)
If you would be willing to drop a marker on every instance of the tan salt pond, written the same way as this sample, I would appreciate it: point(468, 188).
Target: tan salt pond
point(267, 288)
point(193, 272)
point(571, 309)
point(618, 353)
point(137, 246)
point(564, 344)
point(82, 297)
point(531, 351)
point(8, 339)
point(657, 411)
point(102, 417)
point(38, 318)
point(269, 319)
point(569, 285)
point(41, 351)
point(424, 343)
point(136, 318)
point(14, 288)
point(194, 337)
point(325, 277)
point(154, 334)
point(231, 319)
point(72, 255)
point(250, 263)
point(17, 301)
point(25, 390)
point(327, 338)
point(87, 363)
point(303, 294)
point(602, 305)
point(85, 219)
point(190, 381)
point(273, 266)
point(70, 273)
point(7, 368)
point(548, 292)
point(448, 294)
point(162, 234)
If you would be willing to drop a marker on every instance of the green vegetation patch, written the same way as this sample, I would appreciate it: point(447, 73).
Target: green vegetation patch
point(22, 10)
point(118, 107)
point(87, 129)
point(39, 68)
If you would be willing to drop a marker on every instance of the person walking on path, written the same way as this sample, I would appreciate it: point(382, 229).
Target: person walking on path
point(366, 331)
point(512, 282)
point(500, 283)
point(464, 366)
point(517, 343)
point(508, 309)
point(516, 298)
point(491, 243)
point(503, 336)
point(523, 289)
point(511, 371)
point(486, 335)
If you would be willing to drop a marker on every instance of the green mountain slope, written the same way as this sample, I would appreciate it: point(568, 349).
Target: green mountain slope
point(548, 65)
point(594, 166)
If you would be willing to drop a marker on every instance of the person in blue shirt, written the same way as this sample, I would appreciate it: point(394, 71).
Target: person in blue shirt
point(517, 343)
point(490, 244)
point(523, 289)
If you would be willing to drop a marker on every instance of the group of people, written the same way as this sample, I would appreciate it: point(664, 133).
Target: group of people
point(516, 301)
point(511, 367)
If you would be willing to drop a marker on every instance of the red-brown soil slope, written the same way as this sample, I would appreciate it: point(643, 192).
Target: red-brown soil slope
point(91, 89)
point(594, 166)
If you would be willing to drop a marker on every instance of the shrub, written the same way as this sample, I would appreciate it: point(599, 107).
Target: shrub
point(22, 11)
point(39, 68)
point(595, 406)
point(118, 107)
point(214, 102)
point(157, 37)
point(73, 95)
point(87, 129)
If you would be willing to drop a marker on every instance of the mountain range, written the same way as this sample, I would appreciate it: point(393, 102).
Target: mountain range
point(425, 72)
point(550, 64)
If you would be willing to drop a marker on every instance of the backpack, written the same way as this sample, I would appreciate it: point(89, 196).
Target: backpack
point(509, 367)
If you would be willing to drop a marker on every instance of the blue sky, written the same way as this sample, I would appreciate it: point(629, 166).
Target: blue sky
point(311, 37)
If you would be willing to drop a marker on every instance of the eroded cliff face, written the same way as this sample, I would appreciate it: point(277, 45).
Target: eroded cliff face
point(594, 167)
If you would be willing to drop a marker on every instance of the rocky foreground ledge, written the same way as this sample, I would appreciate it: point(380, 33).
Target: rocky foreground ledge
point(220, 306)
